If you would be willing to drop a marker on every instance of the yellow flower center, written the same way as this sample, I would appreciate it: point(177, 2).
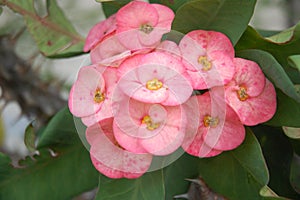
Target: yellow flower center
point(210, 121)
point(150, 125)
point(242, 94)
point(146, 28)
point(206, 64)
point(154, 84)
point(98, 96)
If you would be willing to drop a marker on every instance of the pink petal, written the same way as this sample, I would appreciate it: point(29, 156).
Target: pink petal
point(157, 65)
point(169, 47)
point(107, 171)
point(124, 163)
point(226, 135)
point(109, 52)
point(218, 50)
point(193, 141)
point(211, 41)
point(249, 74)
point(153, 38)
point(254, 110)
point(221, 72)
point(136, 13)
point(180, 89)
point(129, 20)
point(198, 148)
point(232, 133)
point(165, 19)
point(129, 118)
point(171, 134)
point(104, 112)
point(99, 31)
point(127, 141)
point(134, 88)
point(165, 16)
point(81, 99)
point(110, 76)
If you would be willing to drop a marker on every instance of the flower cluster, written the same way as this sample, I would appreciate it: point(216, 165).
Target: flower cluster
point(138, 98)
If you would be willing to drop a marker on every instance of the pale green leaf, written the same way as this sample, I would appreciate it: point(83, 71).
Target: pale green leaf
point(53, 33)
point(291, 132)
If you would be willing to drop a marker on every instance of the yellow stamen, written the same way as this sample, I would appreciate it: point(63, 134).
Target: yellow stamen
point(146, 28)
point(210, 121)
point(154, 84)
point(150, 125)
point(205, 63)
point(98, 96)
point(242, 94)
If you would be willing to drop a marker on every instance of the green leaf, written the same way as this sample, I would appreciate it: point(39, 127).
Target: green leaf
point(281, 51)
point(60, 131)
point(65, 174)
point(291, 132)
point(54, 34)
point(287, 113)
point(230, 17)
point(161, 184)
point(295, 173)
point(278, 153)
point(29, 138)
point(294, 61)
point(273, 70)
point(238, 174)
point(175, 175)
point(147, 187)
point(111, 7)
point(267, 192)
point(173, 4)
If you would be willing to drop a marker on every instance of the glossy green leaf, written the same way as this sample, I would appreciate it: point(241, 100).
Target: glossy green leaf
point(278, 153)
point(173, 4)
point(147, 187)
point(295, 173)
point(60, 175)
point(230, 17)
point(281, 51)
point(273, 70)
point(29, 138)
point(238, 174)
point(111, 7)
point(53, 33)
point(287, 113)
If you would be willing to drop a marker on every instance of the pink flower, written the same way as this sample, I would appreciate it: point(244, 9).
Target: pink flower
point(149, 128)
point(109, 52)
point(141, 25)
point(250, 94)
point(169, 47)
point(154, 78)
point(90, 94)
point(208, 57)
point(99, 32)
point(109, 158)
point(213, 127)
